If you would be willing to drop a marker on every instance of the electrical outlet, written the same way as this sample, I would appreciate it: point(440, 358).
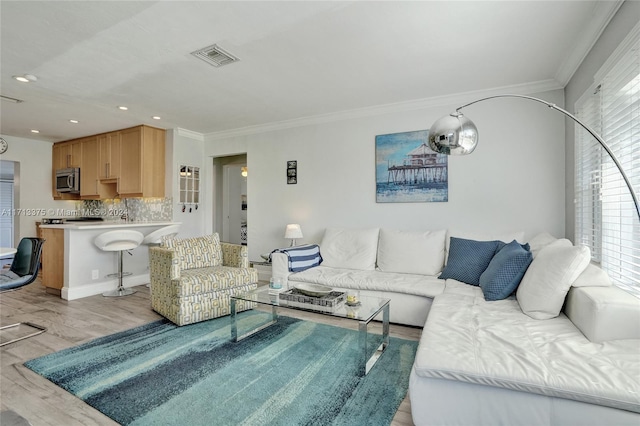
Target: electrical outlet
point(95, 274)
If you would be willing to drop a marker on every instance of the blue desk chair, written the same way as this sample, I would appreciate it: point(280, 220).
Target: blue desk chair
point(24, 270)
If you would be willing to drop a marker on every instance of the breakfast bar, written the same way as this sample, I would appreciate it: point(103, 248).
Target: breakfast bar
point(74, 267)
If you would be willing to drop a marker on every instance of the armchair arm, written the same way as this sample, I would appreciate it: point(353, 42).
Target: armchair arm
point(280, 267)
point(164, 265)
point(234, 255)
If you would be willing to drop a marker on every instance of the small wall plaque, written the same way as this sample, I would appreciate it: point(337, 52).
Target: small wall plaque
point(292, 172)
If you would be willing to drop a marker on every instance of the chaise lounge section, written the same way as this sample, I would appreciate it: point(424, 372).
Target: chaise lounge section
point(193, 278)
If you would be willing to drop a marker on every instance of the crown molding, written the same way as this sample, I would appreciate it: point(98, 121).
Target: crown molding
point(417, 104)
point(603, 12)
point(189, 134)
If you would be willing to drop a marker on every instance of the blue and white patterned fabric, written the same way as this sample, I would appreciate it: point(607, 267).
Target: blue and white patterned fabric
point(301, 257)
point(468, 259)
point(505, 271)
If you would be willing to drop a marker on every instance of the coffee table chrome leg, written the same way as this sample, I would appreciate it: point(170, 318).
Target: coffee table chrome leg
point(234, 322)
point(368, 363)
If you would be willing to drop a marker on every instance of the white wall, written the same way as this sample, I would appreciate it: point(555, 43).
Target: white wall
point(619, 27)
point(186, 148)
point(34, 183)
point(513, 181)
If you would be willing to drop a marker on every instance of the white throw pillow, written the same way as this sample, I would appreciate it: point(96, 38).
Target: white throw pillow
point(592, 276)
point(411, 252)
point(540, 241)
point(350, 248)
point(544, 286)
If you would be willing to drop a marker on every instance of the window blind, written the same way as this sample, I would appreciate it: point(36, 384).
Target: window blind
point(606, 219)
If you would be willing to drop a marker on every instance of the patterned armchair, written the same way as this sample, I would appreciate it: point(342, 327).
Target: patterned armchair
point(192, 278)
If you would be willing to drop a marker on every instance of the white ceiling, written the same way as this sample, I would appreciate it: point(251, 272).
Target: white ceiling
point(298, 58)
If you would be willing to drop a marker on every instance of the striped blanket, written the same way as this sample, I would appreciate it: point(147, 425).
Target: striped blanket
point(301, 257)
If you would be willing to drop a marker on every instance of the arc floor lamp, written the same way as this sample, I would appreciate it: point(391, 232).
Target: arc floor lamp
point(455, 134)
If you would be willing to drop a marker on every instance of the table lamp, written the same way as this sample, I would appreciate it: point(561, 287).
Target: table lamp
point(293, 232)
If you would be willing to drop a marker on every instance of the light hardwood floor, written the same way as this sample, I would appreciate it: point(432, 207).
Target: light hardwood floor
point(71, 323)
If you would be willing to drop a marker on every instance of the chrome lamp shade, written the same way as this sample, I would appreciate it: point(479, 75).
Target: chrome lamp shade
point(453, 134)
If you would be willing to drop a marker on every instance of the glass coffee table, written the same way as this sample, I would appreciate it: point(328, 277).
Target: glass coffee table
point(368, 309)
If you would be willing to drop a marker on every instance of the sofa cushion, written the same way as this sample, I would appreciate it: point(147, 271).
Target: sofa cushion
point(468, 259)
point(604, 313)
point(544, 286)
point(414, 284)
point(470, 340)
point(350, 248)
point(505, 271)
point(411, 252)
point(198, 252)
point(540, 241)
point(592, 276)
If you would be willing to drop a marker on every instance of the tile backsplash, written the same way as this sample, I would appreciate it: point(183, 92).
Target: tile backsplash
point(134, 209)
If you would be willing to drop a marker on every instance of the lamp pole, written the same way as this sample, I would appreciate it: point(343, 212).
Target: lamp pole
point(587, 128)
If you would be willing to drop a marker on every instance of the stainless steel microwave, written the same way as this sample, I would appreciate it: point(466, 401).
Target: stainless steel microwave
point(68, 180)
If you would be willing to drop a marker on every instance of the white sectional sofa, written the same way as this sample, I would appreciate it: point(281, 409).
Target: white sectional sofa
point(564, 349)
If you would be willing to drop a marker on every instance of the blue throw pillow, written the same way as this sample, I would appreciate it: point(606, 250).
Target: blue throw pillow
point(468, 259)
point(505, 271)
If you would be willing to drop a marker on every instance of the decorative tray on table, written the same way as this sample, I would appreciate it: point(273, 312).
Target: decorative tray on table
point(300, 299)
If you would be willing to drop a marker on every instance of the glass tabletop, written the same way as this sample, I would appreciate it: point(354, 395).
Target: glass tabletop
point(367, 309)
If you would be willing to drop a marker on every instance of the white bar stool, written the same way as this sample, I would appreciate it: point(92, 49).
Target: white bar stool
point(119, 240)
point(155, 238)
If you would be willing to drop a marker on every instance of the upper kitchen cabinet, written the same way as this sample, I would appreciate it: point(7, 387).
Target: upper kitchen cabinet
point(142, 162)
point(67, 154)
point(109, 155)
point(119, 164)
point(89, 183)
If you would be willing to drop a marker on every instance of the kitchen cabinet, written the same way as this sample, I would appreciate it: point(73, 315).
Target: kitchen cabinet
point(123, 163)
point(68, 154)
point(142, 162)
point(89, 169)
point(109, 155)
point(52, 273)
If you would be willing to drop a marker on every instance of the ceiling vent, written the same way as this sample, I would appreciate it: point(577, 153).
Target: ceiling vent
point(215, 56)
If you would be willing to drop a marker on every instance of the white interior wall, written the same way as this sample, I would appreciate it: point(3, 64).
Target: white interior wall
point(185, 148)
point(513, 181)
point(35, 198)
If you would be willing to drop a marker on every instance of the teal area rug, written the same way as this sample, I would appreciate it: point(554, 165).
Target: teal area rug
point(292, 373)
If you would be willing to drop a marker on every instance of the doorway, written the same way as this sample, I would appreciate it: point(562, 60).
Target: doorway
point(9, 178)
point(230, 197)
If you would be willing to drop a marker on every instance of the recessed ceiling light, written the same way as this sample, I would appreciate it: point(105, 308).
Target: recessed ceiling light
point(124, 108)
point(35, 131)
point(26, 78)
point(155, 117)
point(74, 121)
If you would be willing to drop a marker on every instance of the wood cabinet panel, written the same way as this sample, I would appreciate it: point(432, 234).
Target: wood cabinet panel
point(52, 259)
point(131, 162)
point(89, 169)
point(109, 158)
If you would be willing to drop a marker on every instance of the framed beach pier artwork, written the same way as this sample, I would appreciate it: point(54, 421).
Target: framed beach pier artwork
point(408, 171)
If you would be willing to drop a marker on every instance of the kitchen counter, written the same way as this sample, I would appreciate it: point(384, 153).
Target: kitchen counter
point(106, 225)
point(85, 268)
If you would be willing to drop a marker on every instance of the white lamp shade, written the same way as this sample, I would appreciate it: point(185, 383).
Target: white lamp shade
point(293, 231)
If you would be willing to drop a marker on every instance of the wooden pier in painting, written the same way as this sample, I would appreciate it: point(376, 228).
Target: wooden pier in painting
point(421, 166)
